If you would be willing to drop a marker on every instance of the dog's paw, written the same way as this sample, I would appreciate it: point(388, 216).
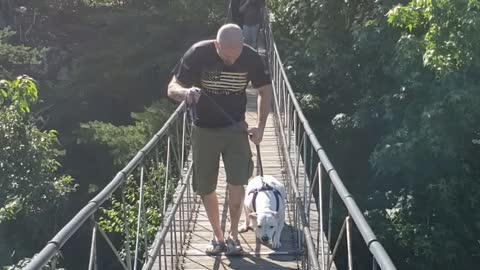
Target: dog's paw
point(276, 244)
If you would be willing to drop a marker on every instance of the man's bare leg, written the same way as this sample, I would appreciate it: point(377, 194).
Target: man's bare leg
point(246, 225)
point(235, 202)
point(210, 201)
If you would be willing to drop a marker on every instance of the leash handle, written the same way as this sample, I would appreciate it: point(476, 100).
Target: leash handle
point(191, 105)
point(193, 108)
point(259, 162)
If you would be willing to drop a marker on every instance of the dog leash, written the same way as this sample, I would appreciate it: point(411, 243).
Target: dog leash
point(193, 108)
point(259, 162)
point(265, 186)
point(257, 146)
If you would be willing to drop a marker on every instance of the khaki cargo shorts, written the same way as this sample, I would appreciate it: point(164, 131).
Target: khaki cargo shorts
point(231, 143)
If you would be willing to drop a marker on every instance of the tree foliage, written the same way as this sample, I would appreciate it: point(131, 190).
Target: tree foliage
point(103, 60)
point(28, 164)
point(394, 101)
point(31, 185)
point(122, 143)
point(97, 61)
point(447, 31)
point(16, 57)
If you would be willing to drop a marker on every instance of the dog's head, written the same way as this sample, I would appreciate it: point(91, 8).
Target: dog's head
point(265, 224)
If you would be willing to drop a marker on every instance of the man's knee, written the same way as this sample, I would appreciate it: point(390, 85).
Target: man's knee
point(235, 202)
point(236, 191)
point(202, 192)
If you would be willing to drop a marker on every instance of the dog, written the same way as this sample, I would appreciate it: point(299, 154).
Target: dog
point(264, 207)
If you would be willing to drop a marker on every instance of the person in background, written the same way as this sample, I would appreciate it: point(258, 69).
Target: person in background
point(251, 12)
point(235, 13)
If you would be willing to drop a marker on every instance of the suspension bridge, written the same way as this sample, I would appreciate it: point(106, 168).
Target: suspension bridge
point(321, 214)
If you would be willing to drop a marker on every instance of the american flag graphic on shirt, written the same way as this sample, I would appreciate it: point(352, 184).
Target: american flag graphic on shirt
point(222, 82)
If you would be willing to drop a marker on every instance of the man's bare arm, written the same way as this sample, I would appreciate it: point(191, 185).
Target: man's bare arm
point(264, 102)
point(176, 90)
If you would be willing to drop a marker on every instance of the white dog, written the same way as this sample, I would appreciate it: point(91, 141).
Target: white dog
point(264, 207)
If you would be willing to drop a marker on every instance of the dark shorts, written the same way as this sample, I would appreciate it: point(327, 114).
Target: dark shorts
point(231, 143)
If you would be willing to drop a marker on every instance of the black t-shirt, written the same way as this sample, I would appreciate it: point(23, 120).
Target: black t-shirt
point(225, 85)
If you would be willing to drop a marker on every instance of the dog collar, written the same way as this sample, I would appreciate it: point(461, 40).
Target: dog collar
point(265, 188)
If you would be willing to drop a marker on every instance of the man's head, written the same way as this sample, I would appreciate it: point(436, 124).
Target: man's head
point(229, 43)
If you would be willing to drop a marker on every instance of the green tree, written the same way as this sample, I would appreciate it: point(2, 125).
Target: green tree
point(394, 101)
point(16, 57)
point(446, 30)
point(30, 182)
point(122, 143)
point(105, 59)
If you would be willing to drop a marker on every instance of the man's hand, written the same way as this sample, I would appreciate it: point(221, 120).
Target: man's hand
point(192, 95)
point(256, 134)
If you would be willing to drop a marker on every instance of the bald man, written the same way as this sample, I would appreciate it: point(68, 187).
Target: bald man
point(213, 75)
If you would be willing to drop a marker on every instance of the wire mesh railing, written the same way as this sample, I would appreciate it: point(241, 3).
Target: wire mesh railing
point(314, 182)
point(143, 212)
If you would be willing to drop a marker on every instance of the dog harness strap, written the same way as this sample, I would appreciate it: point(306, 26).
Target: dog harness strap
point(265, 188)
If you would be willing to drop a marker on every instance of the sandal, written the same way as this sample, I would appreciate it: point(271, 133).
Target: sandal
point(234, 247)
point(215, 249)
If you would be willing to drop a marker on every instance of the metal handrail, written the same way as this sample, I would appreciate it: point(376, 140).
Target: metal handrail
point(288, 110)
point(173, 124)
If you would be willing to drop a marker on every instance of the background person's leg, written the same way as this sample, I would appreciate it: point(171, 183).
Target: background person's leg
point(249, 34)
point(254, 36)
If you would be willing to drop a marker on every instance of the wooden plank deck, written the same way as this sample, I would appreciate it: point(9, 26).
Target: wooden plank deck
point(258, 256)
